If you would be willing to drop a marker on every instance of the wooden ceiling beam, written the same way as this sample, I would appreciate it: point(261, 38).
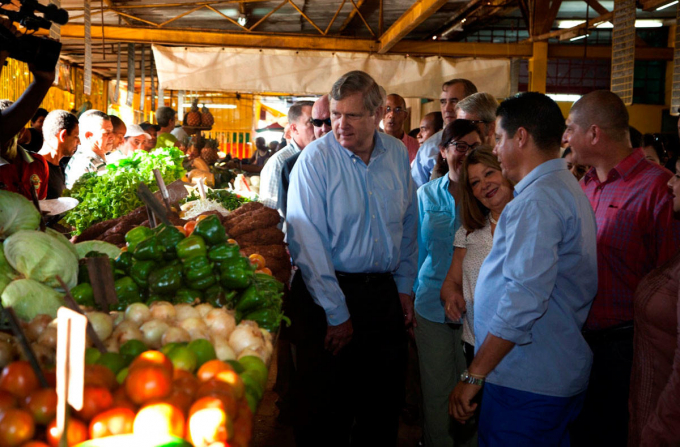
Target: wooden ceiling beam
point(597, 6)
point(585, 25)
point(544, 14)
point(414, 16)
point(351, 15)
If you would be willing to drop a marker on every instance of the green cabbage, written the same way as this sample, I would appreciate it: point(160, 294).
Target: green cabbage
point(16, 213)
point(102, 247)
point(7, 273)
point(61, 238)
point(30, 298)
point(41, 257)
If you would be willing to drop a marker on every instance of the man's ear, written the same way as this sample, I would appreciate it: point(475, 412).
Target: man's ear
point(522, 137)
point(594, 134)
point(61, 136)
point(379, 114)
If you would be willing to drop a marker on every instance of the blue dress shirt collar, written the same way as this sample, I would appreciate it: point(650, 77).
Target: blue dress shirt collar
point(544, 168)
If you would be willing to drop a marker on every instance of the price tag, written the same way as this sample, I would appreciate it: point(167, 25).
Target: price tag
point(71, 327)
point(201, 188)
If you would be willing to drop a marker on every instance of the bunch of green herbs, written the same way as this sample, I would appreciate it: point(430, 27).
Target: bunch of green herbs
point(227, 199)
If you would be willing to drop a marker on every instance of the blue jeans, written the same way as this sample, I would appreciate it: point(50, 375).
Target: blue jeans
point(511, 417)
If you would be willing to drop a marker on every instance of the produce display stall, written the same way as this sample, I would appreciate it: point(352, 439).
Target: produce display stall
point(180, 355)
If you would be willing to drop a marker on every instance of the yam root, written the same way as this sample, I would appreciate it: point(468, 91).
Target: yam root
point(260, 219)
point(243, 209)
point(268, 236)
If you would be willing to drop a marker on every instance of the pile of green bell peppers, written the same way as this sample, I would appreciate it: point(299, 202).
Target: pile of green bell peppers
point(261, 302)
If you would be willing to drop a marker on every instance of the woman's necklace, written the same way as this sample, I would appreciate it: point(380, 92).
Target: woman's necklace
point(492, 220)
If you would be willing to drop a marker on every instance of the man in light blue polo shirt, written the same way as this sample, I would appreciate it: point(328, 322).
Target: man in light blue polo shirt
point(534, 290)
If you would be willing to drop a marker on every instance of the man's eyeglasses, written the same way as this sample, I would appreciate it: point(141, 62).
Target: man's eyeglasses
point(460, 146)
point(319, 123)
point(389, 109)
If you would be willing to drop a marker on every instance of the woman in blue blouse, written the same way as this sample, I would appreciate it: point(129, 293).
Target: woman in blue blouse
point(440, 351)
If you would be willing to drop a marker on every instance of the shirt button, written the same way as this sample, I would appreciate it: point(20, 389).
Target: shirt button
point(373, 216)
point(376, 240)
point(370, 193)
point(376, 264)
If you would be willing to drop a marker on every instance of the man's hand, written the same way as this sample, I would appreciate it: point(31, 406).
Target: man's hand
point(338, 336)
point(45, 77)
point(454, 305)
point(409, 312)
point(461, 407)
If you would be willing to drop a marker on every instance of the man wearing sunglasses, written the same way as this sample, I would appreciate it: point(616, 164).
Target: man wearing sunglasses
point(453, 91)
point(395, 116)
point(302, 133)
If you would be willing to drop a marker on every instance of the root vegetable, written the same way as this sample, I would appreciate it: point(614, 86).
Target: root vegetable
point(138, 313)
point(203, 309)
point(37, 326)
point(111, 345)
point(48, 337)
point(162, 310)
point(185, 311)
point(152, 331)
point(223, 350)
point(101, 323)
point(220, 323)
point(175, 335)
point(246, 336)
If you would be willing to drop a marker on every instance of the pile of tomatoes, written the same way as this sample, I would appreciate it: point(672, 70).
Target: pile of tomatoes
point(154, 401)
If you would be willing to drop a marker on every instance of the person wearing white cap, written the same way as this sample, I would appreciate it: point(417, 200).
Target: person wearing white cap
point(134, 141)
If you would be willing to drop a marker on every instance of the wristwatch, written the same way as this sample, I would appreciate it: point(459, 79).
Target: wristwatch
point(466, 377)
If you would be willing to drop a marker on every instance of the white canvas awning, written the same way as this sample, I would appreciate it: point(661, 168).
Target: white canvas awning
point(251, 70)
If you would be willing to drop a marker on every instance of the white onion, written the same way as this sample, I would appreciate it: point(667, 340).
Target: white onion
point(203, 309)
point(49, 337)
point(37, 326)
point(184, 311)
point(111, 345)
point(45, 356)
point(260, 352)
point(139, 313)
point(152, 331)
point(127, 333)
point(101, 323)
point(117, 317)
point(192, 324)
point(245, 336)
point(6, 353)
point(221, 324)
point(196, 334)
point(223, 351)
point(162, 310)
point(175, 335)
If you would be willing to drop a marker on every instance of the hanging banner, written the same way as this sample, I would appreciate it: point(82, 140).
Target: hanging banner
point(87, 77)
point(153, 84)
point(116, 93)
point(131, 75)
point(623, 50)
point(55, 30)
point(180, 106)
point(142, 89)
point(313, 72)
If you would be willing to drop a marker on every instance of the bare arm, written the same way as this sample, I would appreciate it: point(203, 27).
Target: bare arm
point(452, 288)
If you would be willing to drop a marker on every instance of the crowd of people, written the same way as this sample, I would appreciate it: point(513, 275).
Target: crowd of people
point(533, 260)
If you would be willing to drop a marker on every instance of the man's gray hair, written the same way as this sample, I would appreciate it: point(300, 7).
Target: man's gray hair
point(481, 104)
point(295, 111)
point(164, 115)
point(358, 82)
point(91, 120)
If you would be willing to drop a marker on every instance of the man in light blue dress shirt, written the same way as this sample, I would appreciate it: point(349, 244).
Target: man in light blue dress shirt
point(352, 221)
point(534, 290)
point(453, 91)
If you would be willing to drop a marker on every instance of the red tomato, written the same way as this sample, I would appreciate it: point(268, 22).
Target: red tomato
point(19, 379)
point(147, 382)
point(208, 422)
point(120, 400)
point(76, 432)
point(16, 427)
point(100, 375)
point(156, 420)
point(7, 400)
point(117, 421)
point(153, 358)
point(96, 399)
point(185, 381)
point(222, 391)
point(42, 404)
point(189, 227)
point(257, 260)
point(210, 368)
point(177, 398)
point(34, 444)
point(233, 379)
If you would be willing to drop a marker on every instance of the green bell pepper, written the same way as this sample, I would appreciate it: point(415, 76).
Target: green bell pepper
point(211, 230)
point(217, 297)
point(124, 261)
point(153, 297)
point(140, 271)
point(83, 294)
point(196, 268)
point(127, 291)
point(148, 250)
point(188, 296)
point(169, 237)
point(236, 274)
point(165, 280)
point(224, 251)
point(262, 279)
point(256, 298)
point(203, 283)
point(137, 235)
point(190, 247)
point(268, 318)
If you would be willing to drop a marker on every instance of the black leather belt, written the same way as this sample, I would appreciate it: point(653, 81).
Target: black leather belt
point(363, 277)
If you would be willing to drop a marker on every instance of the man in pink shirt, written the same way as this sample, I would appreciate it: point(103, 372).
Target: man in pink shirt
point(395, 116)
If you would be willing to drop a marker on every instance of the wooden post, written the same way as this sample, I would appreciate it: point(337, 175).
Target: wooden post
point(538, 67)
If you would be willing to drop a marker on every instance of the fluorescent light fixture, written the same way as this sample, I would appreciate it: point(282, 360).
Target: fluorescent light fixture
point(644, 23)
point(579, 37)
point(242, 20)
point(559, 97)
point(213, 106)
point(668, 5)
